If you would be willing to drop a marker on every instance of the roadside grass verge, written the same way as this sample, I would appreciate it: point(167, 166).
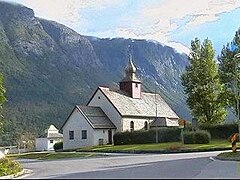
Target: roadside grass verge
point(9, 167)
point(52, 155)
point(231, 156)
point(160, 146)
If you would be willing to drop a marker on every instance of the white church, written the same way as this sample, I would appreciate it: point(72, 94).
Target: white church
point(109, 111)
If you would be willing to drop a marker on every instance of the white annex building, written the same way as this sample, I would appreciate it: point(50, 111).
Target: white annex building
point(109, 111)
point(47, 141)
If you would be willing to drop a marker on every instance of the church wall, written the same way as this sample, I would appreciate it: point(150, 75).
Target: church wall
point(138, 122)
point(99, 100)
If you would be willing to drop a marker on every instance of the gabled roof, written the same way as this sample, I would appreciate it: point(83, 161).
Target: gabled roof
point(145, 106)
point(163, 121)
point(97, 118)
point(94, 116)
point(51, 135)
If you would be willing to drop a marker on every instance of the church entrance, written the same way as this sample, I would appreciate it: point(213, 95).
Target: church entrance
point(109, 136)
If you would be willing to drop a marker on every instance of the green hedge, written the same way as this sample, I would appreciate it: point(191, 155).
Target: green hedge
point(144, 137)
point(196, 137)
point(221, 131)
point(58, 146)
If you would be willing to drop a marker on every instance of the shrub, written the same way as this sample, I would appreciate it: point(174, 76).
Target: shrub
point(201, 137)
point(144, 137)
point(58, 146)
point(220, 131)
point(196, 137)
point(188, 137)
point(8, 167)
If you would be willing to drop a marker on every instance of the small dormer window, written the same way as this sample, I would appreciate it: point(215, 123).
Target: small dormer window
point(99, 97)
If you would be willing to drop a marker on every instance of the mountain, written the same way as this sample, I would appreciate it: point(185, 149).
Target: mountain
point(48, 68)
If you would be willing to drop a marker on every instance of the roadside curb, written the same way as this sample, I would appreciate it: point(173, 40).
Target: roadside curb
point(156, 151)
point(225, 159)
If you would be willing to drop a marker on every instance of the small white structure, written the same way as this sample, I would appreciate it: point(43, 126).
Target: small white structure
point(125, 109)
point(87, 126)
point(2, 152)
point(46, 141)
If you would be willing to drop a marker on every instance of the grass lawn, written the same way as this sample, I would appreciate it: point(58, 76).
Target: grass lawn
point(135, 147)
point(52, 155)
point(161, 146)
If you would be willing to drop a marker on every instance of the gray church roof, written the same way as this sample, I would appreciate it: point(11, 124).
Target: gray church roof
point(97, 117)
point(163, 122)
point(145, 106)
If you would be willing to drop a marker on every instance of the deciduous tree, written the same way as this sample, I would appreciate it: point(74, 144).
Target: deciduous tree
point(202, 85)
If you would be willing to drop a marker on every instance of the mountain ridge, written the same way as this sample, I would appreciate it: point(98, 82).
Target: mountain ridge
point(48, 68)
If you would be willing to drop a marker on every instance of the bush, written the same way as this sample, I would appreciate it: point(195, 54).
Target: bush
point(188, 137)
point(220, 131)
point(58, 146)
point(8, 167)
point(144, 137)
point(196, 137)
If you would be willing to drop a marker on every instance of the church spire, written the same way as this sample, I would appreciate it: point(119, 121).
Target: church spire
point(130, 83)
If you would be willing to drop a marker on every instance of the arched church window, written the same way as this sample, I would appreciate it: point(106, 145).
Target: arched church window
point(146, 125)
point(131, 126)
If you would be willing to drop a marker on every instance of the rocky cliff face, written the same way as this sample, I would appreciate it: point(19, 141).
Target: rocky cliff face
point(49, 68)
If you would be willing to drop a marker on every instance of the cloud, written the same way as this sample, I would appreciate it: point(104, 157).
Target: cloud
point(160, 19)
point(147, 19)
point(65, 11)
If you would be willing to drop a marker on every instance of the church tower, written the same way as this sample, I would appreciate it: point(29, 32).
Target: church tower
point(130, 83)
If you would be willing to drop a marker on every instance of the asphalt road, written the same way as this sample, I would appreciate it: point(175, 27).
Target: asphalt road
point(161, 166)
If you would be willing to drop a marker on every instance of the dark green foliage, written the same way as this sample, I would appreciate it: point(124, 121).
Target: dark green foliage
point(220, 131)
point(2, 100)
point(202, 85)
point(196, 137)
point(58, 146)
point(145, 137)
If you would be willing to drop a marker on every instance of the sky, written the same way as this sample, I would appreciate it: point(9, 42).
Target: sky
point(171, 22)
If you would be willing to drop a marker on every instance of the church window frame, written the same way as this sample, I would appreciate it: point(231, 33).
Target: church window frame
point(145, 125)
point(131, 126)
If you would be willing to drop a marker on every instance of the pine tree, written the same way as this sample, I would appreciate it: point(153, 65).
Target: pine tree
point(202, 85)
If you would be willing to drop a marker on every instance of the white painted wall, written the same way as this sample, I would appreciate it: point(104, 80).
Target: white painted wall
point(102, 134)
point(77, 123)
point(2, 153)
point(138, 122)
point(107, 108)
point(55, 140)
point(41, 144)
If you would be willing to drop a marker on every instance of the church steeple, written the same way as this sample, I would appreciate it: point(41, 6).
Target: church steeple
point(130, 72)
point(130, 83)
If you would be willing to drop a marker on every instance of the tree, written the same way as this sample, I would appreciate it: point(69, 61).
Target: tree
point(229, 71)
point(2, 100)
point(202, 85)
